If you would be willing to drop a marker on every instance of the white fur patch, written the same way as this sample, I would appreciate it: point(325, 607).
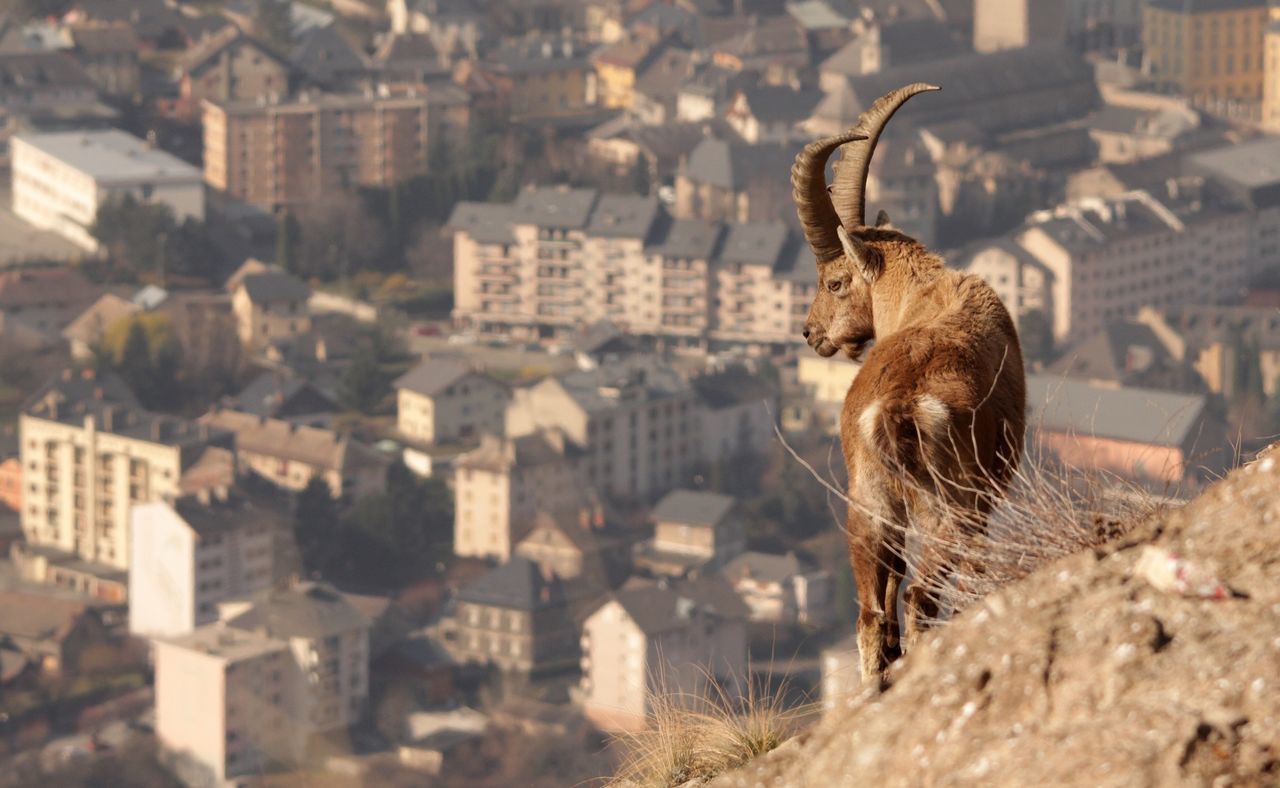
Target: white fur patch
point(869, 420)
point(931, 415)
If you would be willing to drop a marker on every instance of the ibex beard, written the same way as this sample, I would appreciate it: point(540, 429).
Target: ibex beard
point(932, 426)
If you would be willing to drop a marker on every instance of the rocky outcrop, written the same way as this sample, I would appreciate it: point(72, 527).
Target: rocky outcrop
point(1124, 666)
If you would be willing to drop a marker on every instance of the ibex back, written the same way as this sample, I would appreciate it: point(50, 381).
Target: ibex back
point(932, 426)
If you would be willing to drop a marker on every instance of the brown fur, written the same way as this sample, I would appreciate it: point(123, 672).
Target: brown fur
point(932, 426)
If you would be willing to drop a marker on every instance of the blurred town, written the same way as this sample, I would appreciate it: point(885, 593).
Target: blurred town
point(405, 392)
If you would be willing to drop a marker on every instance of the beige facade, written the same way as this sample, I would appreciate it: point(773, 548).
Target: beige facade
point(269, 307)
point(781, 589)
point(1207, 50)
point(1011, 24)
point(281, 154)
point(517, 273)
point(649, 642)
point(1271, 74)
point(502, 485)
point(222, 703)
point(1020, 281)
point(87, 462)
point(230, 66)
point(445, 401)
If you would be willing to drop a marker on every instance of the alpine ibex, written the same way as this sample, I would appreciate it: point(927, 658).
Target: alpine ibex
point(933, 423)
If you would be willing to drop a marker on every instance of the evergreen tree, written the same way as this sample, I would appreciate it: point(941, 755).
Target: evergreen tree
point(317, 528)
point(1036, 336)
point(134, 363)
point(363, 383)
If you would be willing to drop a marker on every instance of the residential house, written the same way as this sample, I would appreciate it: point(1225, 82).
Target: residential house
point(278, 396)
point(413, 58)
point(782, 589)
point(500, 487)
point(1128, 134)
point(738, 412)
point(694, 533)
point(776, 46)
point(189, 555)
point(444, 400)
point(516, 617)
point(61, 179)
point(1001, 24)
point(542, 76)
point(54, 632)
point(586, 548)
point(328, 59)
point(454, 25)
point(1130, 353)
point(1020, 279)
point(1164, 439)
point(46, 299)
point(270, 306)
point(768, 114)
point(229, 66)
point(1214, 341)
point(109, 55)
point(86, 331)
point(681, 642)
point(724, 180)
point(656, 94)
point(89, 454)
point(618, 65)
point(289, 455)
point(878, 44)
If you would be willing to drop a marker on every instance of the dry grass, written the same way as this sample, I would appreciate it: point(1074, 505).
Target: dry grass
point(693, 738)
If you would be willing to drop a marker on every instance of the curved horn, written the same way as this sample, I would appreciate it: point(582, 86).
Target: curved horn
point(848, 193)
point(809, 191)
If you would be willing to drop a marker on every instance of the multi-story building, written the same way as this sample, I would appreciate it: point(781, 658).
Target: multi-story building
point(109, 55)
point(501, 486)
point(270, 306)
point(1011, 24)
point(673, 641)
point(45, 298)
point(328, 640)
point(230, 66)
point(556, 259)
point(89, 454)
point(240, 683)
point(1271, 78)
point(586, 548)
point(542, 76)
point(516, 617)
point(635, 425)
point(289, 455)
point(443, 400)
point(188, 556)
point(1207, 49)
point(693, 532)
point(277, 154)
point(61, 178)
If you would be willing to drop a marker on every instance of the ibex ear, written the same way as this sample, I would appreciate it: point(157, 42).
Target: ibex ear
point(859, 254)
point(882, 220)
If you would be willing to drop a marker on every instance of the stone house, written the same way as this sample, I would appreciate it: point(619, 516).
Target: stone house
point(694, 532)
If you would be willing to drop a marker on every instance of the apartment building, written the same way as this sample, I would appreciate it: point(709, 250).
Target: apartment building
point(443, 400)
point(694, 532)
point(516, 617)
point(229, 66)
point(587, 547)
point(1011, 24)
point(61, 178)
point(635, 425)
point(501, 486)
point(270, 306)
point(1207, 49)
point(89, 454)
point(189, 555)
point(557, 258)
point(675, 641)
point(289, 455)
point(277, 154)
point(223, 700)
point(1271, 78)
point(542, 76)
point(1213, 340)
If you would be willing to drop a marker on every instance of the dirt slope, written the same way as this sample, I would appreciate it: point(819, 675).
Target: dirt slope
point(1086, 673)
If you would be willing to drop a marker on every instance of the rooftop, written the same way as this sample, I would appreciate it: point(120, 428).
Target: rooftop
point(227, 643)
point(623, 216)
point(1162, 418)
point(764, 567)
point(657, 608)
point(434, 375)
point(308, 610)
point(518, 584)
point(320, 448)
point(111, 155)
point(692, 507)
point(606, 387)
point(1251, 164)
point(275, 286)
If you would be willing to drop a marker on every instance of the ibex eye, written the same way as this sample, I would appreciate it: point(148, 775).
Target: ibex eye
point(834, 285)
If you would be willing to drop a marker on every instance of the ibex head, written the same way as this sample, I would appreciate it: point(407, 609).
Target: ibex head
point(834, 223)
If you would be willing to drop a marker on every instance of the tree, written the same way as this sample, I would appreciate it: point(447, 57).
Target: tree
point(364, 385)
point(146, 238)
point(317, 528)
point(288, 236)
point(142, 349)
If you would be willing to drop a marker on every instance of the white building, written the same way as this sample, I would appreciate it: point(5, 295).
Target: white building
point(223, 703)
point(781, 589)
point(188, 556)
point(61, 178)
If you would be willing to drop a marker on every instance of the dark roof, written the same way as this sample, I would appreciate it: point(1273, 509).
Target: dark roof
point(558, 207)
point(780, 103)
point(657, 608)
point(1117, 352)
point(667, 143)
point(650, 380)
point(603, 337)
point(70, 389)
point(104, 39)
point(518, 584)
point(31, 286)
point(434, 376)
point(275, 396)
point(735, 385)
point(486, 223)
point(308, 610)
point(539, 54)
point(769, 567)
point(909, 41)
point(623, 216)
point(759, 243)
point(198, 56)
point(275, 286)
point(692, 239)
point(732, 165)
point(692, 507)
point(221, 515)
point(1162, 418)
point(326, 57)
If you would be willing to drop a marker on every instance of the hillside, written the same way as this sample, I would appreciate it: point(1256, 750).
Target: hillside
point(1086, 673)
